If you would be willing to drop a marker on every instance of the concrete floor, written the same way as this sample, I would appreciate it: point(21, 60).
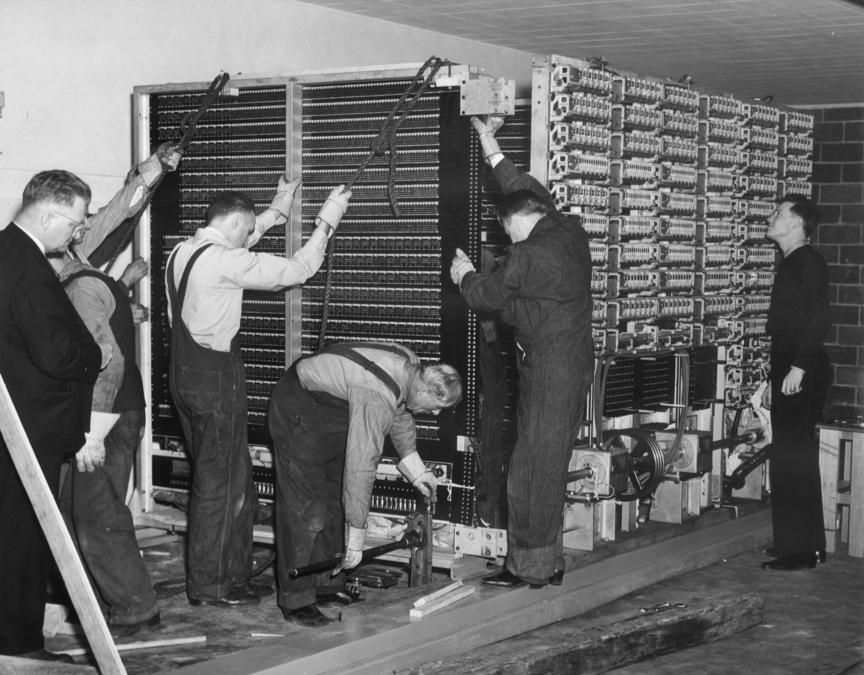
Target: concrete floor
point(813, 621)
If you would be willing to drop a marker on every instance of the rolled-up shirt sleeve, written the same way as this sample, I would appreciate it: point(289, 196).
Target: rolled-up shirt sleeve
point(260, 271)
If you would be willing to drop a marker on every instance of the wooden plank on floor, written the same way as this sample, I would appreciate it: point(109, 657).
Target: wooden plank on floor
point(11, 665)
point(388, 641)
point(571, 648)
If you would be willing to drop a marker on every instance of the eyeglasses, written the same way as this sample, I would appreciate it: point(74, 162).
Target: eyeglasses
point(76, 226)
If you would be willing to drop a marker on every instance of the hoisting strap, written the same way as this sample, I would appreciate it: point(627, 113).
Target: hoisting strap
point(386, 140)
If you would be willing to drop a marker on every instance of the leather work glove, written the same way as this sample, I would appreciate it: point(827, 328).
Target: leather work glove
point(354, 538)
point(413, 468)
point(166, 158)
point(333, 210)
point(93, 453)
point(284, 199)
point(486, 130)
point(460, 267)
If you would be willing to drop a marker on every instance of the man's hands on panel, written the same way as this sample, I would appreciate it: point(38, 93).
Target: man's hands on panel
point(354, 538)
point(134, 272)
point(460, 266)
point(413, 468)
point(284, 199)
point(333, 209)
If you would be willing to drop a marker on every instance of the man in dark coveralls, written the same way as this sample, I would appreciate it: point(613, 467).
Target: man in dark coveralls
point(49, 362)
point(542, 287)
point(329, 414)
point(798, 321)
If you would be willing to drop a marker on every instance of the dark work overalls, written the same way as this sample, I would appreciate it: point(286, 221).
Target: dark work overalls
point(94, 504)
point(310, 432)
point(209, 391)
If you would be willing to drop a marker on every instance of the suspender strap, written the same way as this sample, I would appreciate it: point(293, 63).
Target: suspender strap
point(184, 280)
point(346, 351)
point(82, 273)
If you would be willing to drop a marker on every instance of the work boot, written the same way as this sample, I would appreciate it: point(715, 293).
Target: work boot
point(309, 616)
point(125, 630)
point(503, 579)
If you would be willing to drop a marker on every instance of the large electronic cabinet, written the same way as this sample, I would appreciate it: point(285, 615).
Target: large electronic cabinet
point(390, 276)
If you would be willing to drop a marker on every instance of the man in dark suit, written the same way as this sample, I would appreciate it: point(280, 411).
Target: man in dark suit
point(48, 361)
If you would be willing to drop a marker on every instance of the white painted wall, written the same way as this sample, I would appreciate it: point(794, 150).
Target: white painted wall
point(68, 67)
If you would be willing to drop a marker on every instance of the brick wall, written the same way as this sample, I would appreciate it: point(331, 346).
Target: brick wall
point(838, 188)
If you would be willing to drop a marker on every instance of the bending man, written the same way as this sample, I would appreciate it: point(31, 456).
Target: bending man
point(205, 279)
point(541, 287)
point(329, 415)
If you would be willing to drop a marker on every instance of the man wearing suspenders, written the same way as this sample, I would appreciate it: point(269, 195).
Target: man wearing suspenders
point(329, 414)
point(205, 278)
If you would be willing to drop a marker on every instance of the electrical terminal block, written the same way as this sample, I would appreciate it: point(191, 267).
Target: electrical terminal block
point(712, 334)
point(753, 233)
point(571, 79)
point(796, 123)
point(744, 328)
point(635, 90)
point(714, 306)
point(569, 164)
point(678, 175)
point(737, 377)
point(761, 115)
point(679, 149)
point(604, 256)
point(597, 226)
point(580, 106)
point(715, 155)
point(635, 144)
point(675, 281)
point(760, 137)
point(791, 144)
point(677, 228)
point(631, 309)
point(573, 135)
point(753, 304)
point(640, 200)
point(716, 256)
point(636, 116)
point(717, 181)
point(678, 255)
point(755, 280)
point(756, 257)
point(599, 312)
point(763, 186)
point(632, 341)
point(716, 231)
point(638, 254)
point(681, 98)
point(601, 286)
point(718, 206)
point(720, 106)
point(720, 131)
point(634, 172)
point(579, 194)
point(679, 123)
point(756, 161)
point(678, 202)
point(680, 336)
point(636, 281)
point(636, 227)
point(599, 338)
point(794, 187)
point(676, 307)
point(715, 281)
point(795, 166)
point(754, 210)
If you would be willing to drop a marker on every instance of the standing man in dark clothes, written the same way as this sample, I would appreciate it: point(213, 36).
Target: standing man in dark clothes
point(798, 321)
point(542, 287)
point(48, 361)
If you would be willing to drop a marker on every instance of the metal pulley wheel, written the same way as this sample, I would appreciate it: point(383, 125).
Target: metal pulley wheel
point(646, 462)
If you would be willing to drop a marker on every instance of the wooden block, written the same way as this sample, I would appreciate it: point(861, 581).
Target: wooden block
point(146, 644)
point(443, 601)
point(567, 647)
point(437, 594)
point(12, 665)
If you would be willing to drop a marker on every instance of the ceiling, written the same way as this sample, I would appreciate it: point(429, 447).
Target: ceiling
point(801, 52)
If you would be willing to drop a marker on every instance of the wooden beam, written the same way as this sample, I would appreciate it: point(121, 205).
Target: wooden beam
point(576, 647)
point(392, 642)
point(441, 602)
point(58, 537)
point(12, 665)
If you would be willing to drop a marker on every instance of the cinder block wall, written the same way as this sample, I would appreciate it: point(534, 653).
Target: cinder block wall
point(838, 178)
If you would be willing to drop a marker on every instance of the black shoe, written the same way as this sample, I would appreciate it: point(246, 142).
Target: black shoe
point(261, 590)
point(504, 579)
point(344, 598)
point(234, 599)
point(44, 655)
point(821, 554)
point(125, 630)
point(791, 563)
point(309, 616)
point(558, 578)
